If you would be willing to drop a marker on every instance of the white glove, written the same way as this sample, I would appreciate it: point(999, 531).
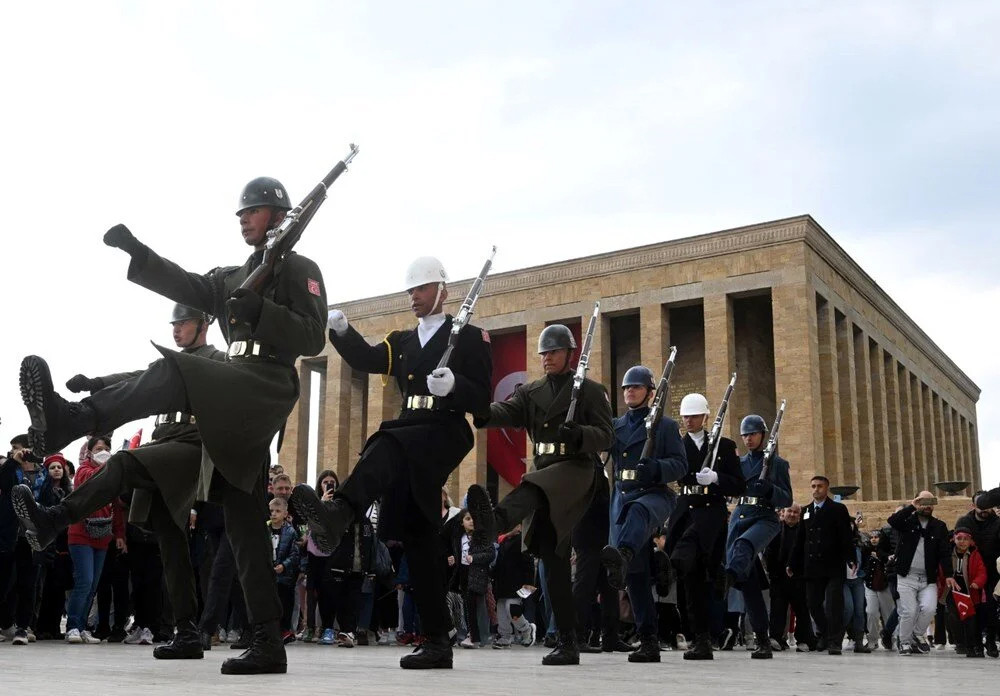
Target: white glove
point(706, 477)
point(337, 322)
point(441, 382)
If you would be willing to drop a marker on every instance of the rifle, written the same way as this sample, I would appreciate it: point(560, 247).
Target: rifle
point(715, 436)
point(465, 313)
point(659, 403)
point(281, 239)
point(772, 442)
point(584, 363)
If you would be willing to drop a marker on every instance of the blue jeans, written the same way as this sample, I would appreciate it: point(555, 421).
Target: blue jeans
point(855, 617)
point(87, 565)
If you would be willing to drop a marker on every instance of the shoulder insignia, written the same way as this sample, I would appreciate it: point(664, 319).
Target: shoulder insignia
point(486, 336)
point(313, 286)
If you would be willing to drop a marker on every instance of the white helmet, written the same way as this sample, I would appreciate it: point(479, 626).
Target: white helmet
point(694, 405)
point(426, 269)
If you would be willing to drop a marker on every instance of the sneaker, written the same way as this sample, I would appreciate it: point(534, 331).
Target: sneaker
point(345, 640)
point(922, 645)
point(905, 649)
point(73, 636)
point(384, 639)
point(886, 638)
point(682, 643)
point(88, 638)
point(221, 634)
point(502, 643)
point(802, 647)
point(233, 636)
point(527, 637)
point(307, 635)
point(728, 639)
point(146, 638)
point(405, 638)
point(329, 637)
point(20, 637)
point(287, 637)
point(31, 636)
point(135, 637)
point(468, 644)
point(941, 646)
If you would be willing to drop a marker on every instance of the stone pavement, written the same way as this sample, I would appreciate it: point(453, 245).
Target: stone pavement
point(85, 670)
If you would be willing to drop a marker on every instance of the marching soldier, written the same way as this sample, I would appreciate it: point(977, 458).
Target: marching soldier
point(554, 496)
point(696, 532)
point(640, 503)
point(239, 405)
point(412, 456)
point(753, 524)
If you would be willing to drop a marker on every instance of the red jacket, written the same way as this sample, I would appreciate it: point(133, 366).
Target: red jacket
point(78, 531)
point(975, 572)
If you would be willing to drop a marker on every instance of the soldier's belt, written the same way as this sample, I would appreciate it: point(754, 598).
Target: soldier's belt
point(550, 448)
point(695, 490)
point(250, 349)
point(751, 500)
point(176, 417)
point(625, 475)
point(420, 402)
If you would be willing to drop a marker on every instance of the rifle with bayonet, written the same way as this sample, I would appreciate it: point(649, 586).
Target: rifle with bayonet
point(465, 312)
point(659, 403)
point(281, 239)
point(584, 363)
point(715, 436)
point(772, 442)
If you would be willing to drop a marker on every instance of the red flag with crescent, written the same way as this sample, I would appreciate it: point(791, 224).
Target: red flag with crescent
point(505, 447)
point(963, 604)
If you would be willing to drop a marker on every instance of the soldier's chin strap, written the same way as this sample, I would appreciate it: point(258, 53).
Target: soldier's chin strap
point(437, 298)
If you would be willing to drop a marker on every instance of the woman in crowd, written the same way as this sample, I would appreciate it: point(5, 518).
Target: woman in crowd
point(88, 544)
point(317, 591)
point(56, 575)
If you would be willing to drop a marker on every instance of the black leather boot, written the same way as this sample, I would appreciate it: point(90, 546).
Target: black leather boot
point(584, 645)
point(859, 643)
point(328, 520)
point(433, 653)
point(55, 422)
point(649, 650)
point(42, 525)
point(206, 641)
point(566, 652)
point(616, 561)
point(763, 649)
point(701, 649)
point(266, 654)
point(185, 645)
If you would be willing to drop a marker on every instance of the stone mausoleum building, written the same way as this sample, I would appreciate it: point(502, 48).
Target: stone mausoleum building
point(871, 401)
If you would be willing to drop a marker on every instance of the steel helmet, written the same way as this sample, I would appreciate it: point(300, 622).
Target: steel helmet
point(183, 313)
point(555, 337)
point(426, 269)
point(638, 376)
point(752, 424)
point(264, 191)
point(694, 405)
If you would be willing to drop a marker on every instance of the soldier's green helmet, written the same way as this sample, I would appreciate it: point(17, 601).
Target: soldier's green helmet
point(183, 313)
point(752, 424)
point(264, 191)
point(555, 337)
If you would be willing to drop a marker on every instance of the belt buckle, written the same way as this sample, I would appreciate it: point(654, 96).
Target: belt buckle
point(627, 475)
point(237, 348)
point(419, 402)
point(550, 448)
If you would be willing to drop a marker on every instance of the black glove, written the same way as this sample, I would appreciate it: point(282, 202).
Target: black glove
point(647, 472)
point(571, 435)
point(121, 237)
point(245, 306)
point(764, 488)
point(81, 383)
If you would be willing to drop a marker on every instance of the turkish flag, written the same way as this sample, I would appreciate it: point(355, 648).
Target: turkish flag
point(964, 604)
point(505, 447)
point(136, 439)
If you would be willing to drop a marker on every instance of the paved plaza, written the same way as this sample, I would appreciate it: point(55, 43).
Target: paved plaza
point(82, 670)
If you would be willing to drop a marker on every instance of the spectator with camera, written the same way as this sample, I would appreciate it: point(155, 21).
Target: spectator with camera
point(17, 569)
point(55, 570)
point(318, 592)
point(923, 548)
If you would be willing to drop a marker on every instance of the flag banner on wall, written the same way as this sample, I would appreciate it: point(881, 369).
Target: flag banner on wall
point(505, 447)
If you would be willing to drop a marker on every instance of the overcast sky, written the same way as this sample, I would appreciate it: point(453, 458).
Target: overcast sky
point(553, 129)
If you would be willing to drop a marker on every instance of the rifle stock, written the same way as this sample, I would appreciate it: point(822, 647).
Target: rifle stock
point(583, 364)
point(465, 312)
point(659, 403)
point(715, 436)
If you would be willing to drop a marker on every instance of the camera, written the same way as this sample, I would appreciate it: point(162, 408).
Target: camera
point(31, 457)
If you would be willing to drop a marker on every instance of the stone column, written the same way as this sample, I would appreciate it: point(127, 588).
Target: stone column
point(337, 422)
point(944, 469)
point(796, 379)
point(849, 408)
point(599, 368)
point(933, 432)
point(897, 467)
point(977, 472)
point(921, 439)
point(908, 462)
point(295, 442)
point(829, 369)
point(654, 335)
point(881, 459)
point(720, 361)
point(866, 416)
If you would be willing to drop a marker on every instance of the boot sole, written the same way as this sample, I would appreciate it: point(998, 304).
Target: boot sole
point(481, 508)
point(611, 559)
point(304, 501)
point(36, 387)
point(440, 665)
point(24, 511)
point(256, 669)
point(178, 657)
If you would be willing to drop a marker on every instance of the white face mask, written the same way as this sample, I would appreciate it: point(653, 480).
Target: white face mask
point(101, 457)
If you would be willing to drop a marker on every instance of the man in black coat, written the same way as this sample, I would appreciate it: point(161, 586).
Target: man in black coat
point(239, 404)
point(823, 548)
point(412, 456)
point(788, 591)
point(985, 527)
point(696, 531)
point(553, 497)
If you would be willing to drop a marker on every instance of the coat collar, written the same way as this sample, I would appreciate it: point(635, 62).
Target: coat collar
point(629, 438)
point(551, 405)
point(417, 355)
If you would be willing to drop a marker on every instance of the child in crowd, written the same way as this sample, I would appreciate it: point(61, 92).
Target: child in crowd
point(471, 557)
point(286, 561)
point(514, 571)
point(969, 572)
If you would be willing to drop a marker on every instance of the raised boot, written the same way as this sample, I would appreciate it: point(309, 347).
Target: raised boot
point(185, 645)
point(41, 524)
point(433, 653)
point(649, 650)
point(55, 422)
point(566, 652)
point(477, 500)
point(616, 560)
point(266, 654)
point(701, 649)
point(763, 649)
point(328, 520)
